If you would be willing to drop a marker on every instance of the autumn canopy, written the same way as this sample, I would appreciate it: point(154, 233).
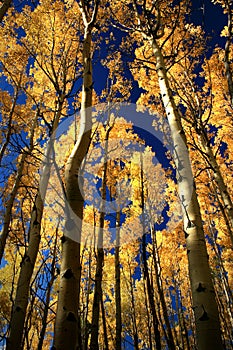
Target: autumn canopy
point(116, 158)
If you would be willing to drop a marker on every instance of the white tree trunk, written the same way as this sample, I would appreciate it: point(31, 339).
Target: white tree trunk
point(67, 328)
point(204, 302)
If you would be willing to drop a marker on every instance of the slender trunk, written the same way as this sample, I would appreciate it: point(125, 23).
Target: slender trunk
point(204, 303)
point(222, 279)
point(149, 285)
point(28, 262)
point(148, 316)
point(100, 254)
point(104, 323)
point(118, 284)
point(157, 268)
point(4, 7)
point(134, 318)
point(220, 204)
point(48, 294)
point(94, 344)
point(86, 330)
point(150, 293)
point(185, 329)
point(28, 335)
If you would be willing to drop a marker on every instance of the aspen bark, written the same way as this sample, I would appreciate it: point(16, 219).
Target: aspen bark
point(157, 269)
point(204, 303)
point(27, 265)
point(94, 344)
point(67, 328)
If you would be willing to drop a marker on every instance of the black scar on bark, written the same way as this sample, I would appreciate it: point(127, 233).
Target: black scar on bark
point(204, 316)
point(68, 274)
point(200, 288)
point(71, 317)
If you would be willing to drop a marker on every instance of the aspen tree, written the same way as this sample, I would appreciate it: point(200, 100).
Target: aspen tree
point(67, 327)
point(204, 303)
point(56, 75)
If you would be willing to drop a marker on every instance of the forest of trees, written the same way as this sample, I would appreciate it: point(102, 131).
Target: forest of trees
point(116, 158)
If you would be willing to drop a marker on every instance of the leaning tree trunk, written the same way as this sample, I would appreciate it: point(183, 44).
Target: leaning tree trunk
point(204, 303)
point(28, 262)
point(227, 59)
point(67, 329)
point(217, 175)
